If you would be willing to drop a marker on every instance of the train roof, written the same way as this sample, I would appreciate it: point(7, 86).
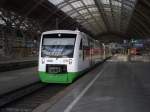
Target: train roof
point(62, 31)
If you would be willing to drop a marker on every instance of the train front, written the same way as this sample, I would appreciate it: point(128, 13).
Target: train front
point(56, 58)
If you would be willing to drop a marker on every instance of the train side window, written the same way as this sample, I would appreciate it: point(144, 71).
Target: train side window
point(81, 44)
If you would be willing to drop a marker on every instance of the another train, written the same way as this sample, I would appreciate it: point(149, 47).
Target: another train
point(66, 54)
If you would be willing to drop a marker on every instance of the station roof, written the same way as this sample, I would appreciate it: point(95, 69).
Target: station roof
point(127, 17)
point(99, 16)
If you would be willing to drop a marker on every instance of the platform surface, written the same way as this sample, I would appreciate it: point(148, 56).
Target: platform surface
point(19, 63)
point(7, 61)
point(117, 87)
point(16, 79)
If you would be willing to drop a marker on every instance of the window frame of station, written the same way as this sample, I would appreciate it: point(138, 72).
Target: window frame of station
point(60, 37)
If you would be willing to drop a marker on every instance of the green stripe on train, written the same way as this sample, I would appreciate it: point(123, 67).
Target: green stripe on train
point(58, 78)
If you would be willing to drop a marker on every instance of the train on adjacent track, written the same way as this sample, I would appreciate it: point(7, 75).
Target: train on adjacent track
point(66, 54)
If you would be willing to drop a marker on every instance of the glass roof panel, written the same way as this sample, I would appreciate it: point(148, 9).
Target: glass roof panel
point(93, 9)
point(74, 15)
point(116, 3)
point(89, 2)
point(77, 4)
point(105, 1)
point(87, 17)
point(56, 2)
point(107, 9)
point(83, 11)
point(66, 8)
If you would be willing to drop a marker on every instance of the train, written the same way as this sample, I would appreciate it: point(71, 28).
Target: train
point(135, 51)
point(66, 54)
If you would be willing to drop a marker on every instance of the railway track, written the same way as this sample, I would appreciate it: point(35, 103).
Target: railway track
point(28, 98)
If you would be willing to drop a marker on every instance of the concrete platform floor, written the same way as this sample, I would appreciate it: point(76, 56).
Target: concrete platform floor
point(16, 79)
point(118, 87)
point(16, 60)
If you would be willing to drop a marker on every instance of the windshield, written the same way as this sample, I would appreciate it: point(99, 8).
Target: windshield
point(58, 45)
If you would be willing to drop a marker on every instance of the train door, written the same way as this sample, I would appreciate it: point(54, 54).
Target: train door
point(80, 59)
point(86, 51)
point(91, 51)
point(83, 52)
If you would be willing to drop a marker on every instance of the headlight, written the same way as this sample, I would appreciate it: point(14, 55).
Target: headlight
point(43, 60)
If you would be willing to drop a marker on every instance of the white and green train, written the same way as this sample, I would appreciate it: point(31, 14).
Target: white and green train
point(66, 54)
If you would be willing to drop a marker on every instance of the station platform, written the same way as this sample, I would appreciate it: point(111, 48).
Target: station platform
point(10, 60)
point(115, 86)
point(12, 80)
point(12, 64)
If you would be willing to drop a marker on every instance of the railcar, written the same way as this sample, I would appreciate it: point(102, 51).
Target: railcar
point(66, 54)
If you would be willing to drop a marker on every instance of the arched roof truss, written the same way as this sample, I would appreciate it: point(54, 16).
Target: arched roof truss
point(99, 15)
